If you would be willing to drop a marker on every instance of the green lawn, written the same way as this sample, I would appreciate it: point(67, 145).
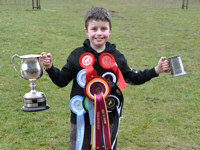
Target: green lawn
point(163, 114)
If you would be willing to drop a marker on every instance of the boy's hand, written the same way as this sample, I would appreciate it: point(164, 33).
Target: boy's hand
point(47, 60)
point(163, 65)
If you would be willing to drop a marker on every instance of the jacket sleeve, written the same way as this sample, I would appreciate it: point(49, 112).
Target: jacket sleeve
point(62, 77)
point(134, 77)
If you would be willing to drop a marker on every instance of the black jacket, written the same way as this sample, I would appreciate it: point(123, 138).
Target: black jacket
point(70, 70)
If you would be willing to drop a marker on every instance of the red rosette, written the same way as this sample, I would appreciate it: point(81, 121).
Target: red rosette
point(87, 59)
point(107, 61)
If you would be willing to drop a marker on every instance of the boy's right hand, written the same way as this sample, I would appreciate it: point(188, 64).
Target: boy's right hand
point(163, 65)
point(47, 60)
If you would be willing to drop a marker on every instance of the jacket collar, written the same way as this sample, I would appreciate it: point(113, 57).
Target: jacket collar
point(109, 48)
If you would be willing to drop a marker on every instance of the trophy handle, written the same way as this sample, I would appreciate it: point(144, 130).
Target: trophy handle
point(42, 53)
point(12, 59)
point(41, 56)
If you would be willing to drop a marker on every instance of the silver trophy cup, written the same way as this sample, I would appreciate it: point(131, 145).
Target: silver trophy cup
point(31, 70)
point(176, 66)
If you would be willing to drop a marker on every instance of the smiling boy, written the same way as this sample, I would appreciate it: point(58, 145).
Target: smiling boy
point(98, 33)
point(98, 28)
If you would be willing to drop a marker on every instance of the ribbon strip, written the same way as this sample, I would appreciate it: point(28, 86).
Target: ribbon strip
point(116, 126)
point(122, 83)
point(102, 122)
point(80, 130)
point(107, 61)
point(89, 107)
point(93, 128)
point(90, 72)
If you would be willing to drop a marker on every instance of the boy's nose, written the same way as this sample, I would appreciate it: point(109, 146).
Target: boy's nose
point(98, 32)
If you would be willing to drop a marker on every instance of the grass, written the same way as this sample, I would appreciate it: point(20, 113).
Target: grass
point(161, 114)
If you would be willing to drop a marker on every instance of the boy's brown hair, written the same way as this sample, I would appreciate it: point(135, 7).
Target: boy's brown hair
point(97, 13)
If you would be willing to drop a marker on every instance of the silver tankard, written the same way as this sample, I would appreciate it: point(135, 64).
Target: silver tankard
point(31, 70)
point(176, 66)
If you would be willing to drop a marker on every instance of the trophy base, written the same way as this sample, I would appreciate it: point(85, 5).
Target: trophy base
point(34, 101)
point(32, 109)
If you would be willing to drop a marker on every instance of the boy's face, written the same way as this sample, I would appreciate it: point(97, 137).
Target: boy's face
point(98, 33)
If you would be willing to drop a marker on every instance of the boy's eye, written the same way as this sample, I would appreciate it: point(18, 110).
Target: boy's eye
point(94, 29)
point(104, 29)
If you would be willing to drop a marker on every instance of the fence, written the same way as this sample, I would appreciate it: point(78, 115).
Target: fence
point(37, 4)
point(21, 3)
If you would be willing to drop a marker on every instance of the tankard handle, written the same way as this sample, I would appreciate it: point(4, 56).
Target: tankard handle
point(168, 63)
point(12, 59)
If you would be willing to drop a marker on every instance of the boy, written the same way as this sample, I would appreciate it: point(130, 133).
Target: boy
point(98, 28)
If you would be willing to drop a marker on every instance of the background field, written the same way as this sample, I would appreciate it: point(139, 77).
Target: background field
point(163, 114)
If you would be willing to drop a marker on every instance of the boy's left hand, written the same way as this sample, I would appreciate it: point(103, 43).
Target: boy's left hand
point(163, 65)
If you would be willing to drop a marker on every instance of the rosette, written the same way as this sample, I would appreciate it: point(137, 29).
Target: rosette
point(87, 61)
point(107, 61)
point(77, 108)
point(81, 78)
point(97, 85)
point(112, 102)
point(97, 89)
point(110, 76)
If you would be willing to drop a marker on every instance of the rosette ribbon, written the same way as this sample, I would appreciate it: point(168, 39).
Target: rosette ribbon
point(87, 61)
point(77, 108)
point(102, 122)
point(89, 107)
point(117, 97)
point(97, 90)
point(107, 61)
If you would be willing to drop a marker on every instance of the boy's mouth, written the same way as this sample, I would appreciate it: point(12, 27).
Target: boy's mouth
point(99, 38)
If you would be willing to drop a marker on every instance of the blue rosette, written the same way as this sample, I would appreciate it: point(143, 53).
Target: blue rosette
point(76, 106)
point(81, 78)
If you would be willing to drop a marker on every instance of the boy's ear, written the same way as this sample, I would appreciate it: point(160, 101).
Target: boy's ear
point(86, 31)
